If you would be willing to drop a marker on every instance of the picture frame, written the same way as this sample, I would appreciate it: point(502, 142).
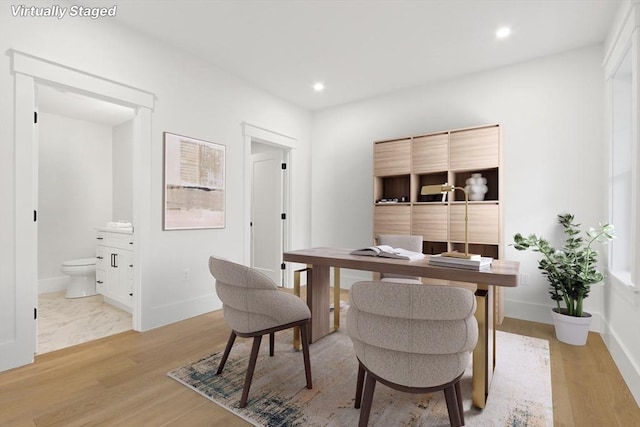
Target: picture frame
point(194, 183)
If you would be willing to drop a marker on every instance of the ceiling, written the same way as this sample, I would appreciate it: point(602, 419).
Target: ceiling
point(364, 48)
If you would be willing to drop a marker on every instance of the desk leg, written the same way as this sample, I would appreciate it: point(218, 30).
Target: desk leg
point(484, 353)
point(318, 298)
point(296, 292)
point(336, 298)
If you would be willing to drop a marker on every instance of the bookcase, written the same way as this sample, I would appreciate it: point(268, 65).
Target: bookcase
point(402, 166)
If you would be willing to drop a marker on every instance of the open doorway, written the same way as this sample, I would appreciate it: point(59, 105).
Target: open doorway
point(85, 169)
point(269, 162)
point(20, 320)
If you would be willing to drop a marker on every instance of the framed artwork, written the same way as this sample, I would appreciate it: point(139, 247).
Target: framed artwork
point(194, 183)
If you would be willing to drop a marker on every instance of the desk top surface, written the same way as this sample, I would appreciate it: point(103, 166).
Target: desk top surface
point(502, 273)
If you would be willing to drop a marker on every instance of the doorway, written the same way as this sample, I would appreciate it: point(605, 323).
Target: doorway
point(84, 168)
point(267, 210)
point(19, 324)
point(269, 162)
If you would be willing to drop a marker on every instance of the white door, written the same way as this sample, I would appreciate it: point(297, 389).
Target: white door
point(266, 213)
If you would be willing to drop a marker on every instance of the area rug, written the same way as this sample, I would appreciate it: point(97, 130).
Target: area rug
point(520, 394)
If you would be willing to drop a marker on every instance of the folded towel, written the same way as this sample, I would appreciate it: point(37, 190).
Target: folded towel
point(116, 224)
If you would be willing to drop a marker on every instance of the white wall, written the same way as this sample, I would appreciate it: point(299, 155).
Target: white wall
point(123, 172)
point(193, 98)
point(551, 111)
point(75, 186)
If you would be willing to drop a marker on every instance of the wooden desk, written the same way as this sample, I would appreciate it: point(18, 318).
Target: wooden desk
point(502, 273)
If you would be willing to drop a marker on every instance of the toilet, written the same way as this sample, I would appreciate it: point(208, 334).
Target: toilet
point(83, 277)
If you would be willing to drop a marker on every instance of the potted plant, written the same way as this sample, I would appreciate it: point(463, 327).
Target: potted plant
point(570, 271)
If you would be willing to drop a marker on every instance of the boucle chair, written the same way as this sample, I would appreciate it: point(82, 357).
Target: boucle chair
point(413, 338)
point(253, 306)
point(411, 243)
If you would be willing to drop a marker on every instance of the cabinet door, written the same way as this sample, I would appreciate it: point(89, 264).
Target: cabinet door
point(430, 222)
point(484, 223)
point(475, 149)
point(391, 220)
point(118, 286)
point(392, 157)
point(430, 153)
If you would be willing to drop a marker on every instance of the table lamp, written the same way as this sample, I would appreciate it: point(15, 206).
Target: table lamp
point(429, 190)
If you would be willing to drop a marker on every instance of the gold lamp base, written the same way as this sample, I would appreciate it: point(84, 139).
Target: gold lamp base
point(461, 255)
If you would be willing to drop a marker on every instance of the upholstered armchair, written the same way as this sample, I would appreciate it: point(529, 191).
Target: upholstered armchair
point(253, 306)
point(411, 243)
point(413, 338)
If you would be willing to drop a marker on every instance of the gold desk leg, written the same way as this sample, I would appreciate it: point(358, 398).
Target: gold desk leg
point(484, 353)
point(336, 298)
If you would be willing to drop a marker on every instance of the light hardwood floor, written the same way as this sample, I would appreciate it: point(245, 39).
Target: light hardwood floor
point(121, 381)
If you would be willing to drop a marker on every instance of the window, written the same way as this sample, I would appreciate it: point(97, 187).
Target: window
point(623, 181)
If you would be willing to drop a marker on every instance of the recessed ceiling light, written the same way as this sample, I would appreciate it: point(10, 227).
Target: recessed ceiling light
point(503, 32)
point(318, 86)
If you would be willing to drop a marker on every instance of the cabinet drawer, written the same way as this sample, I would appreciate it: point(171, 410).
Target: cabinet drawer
point(431, 222)
point(430, 153)
point(475, 149)
point(116, 240)
point(391, 220)
point(392, 157)
point(484, 223)
point(120, 240)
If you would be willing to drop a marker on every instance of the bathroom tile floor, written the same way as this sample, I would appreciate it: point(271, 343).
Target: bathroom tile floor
point(66, 322)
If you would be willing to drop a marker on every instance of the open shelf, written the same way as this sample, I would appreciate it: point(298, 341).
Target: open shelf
point(433, 248)
point(393, 187)
point(484, 250)
point(429, 179)
point(491, 175)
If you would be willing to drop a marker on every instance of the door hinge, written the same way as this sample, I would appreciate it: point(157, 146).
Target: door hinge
point(35, 313)
point(283, 266)
point(35, 117)
point(283, 216)
point(284, 166)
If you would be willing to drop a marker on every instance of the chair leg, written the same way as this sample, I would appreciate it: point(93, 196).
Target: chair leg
point(304, 337)
point(227, 350)
point(452, 406)
point(359, 385)
point(460, 407)
point(252, 365)
point(272, 340)
point(369, 388)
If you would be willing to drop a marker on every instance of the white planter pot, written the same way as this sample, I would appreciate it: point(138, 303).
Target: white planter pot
point(569, 329)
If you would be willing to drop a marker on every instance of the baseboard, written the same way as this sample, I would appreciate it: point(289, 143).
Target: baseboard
point(180, 310)
point(53, 284)
point(620, 354)
point(542, 314)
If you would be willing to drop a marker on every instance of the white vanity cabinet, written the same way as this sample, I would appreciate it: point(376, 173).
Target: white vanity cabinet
point(114, 266)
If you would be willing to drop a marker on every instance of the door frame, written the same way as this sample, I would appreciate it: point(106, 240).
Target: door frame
point(287, 144)
point(30, 70)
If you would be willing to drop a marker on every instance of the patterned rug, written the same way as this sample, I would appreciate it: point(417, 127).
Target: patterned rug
point(520, 393)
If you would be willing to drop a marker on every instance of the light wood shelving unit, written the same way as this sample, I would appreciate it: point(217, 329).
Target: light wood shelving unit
point(402, 166)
